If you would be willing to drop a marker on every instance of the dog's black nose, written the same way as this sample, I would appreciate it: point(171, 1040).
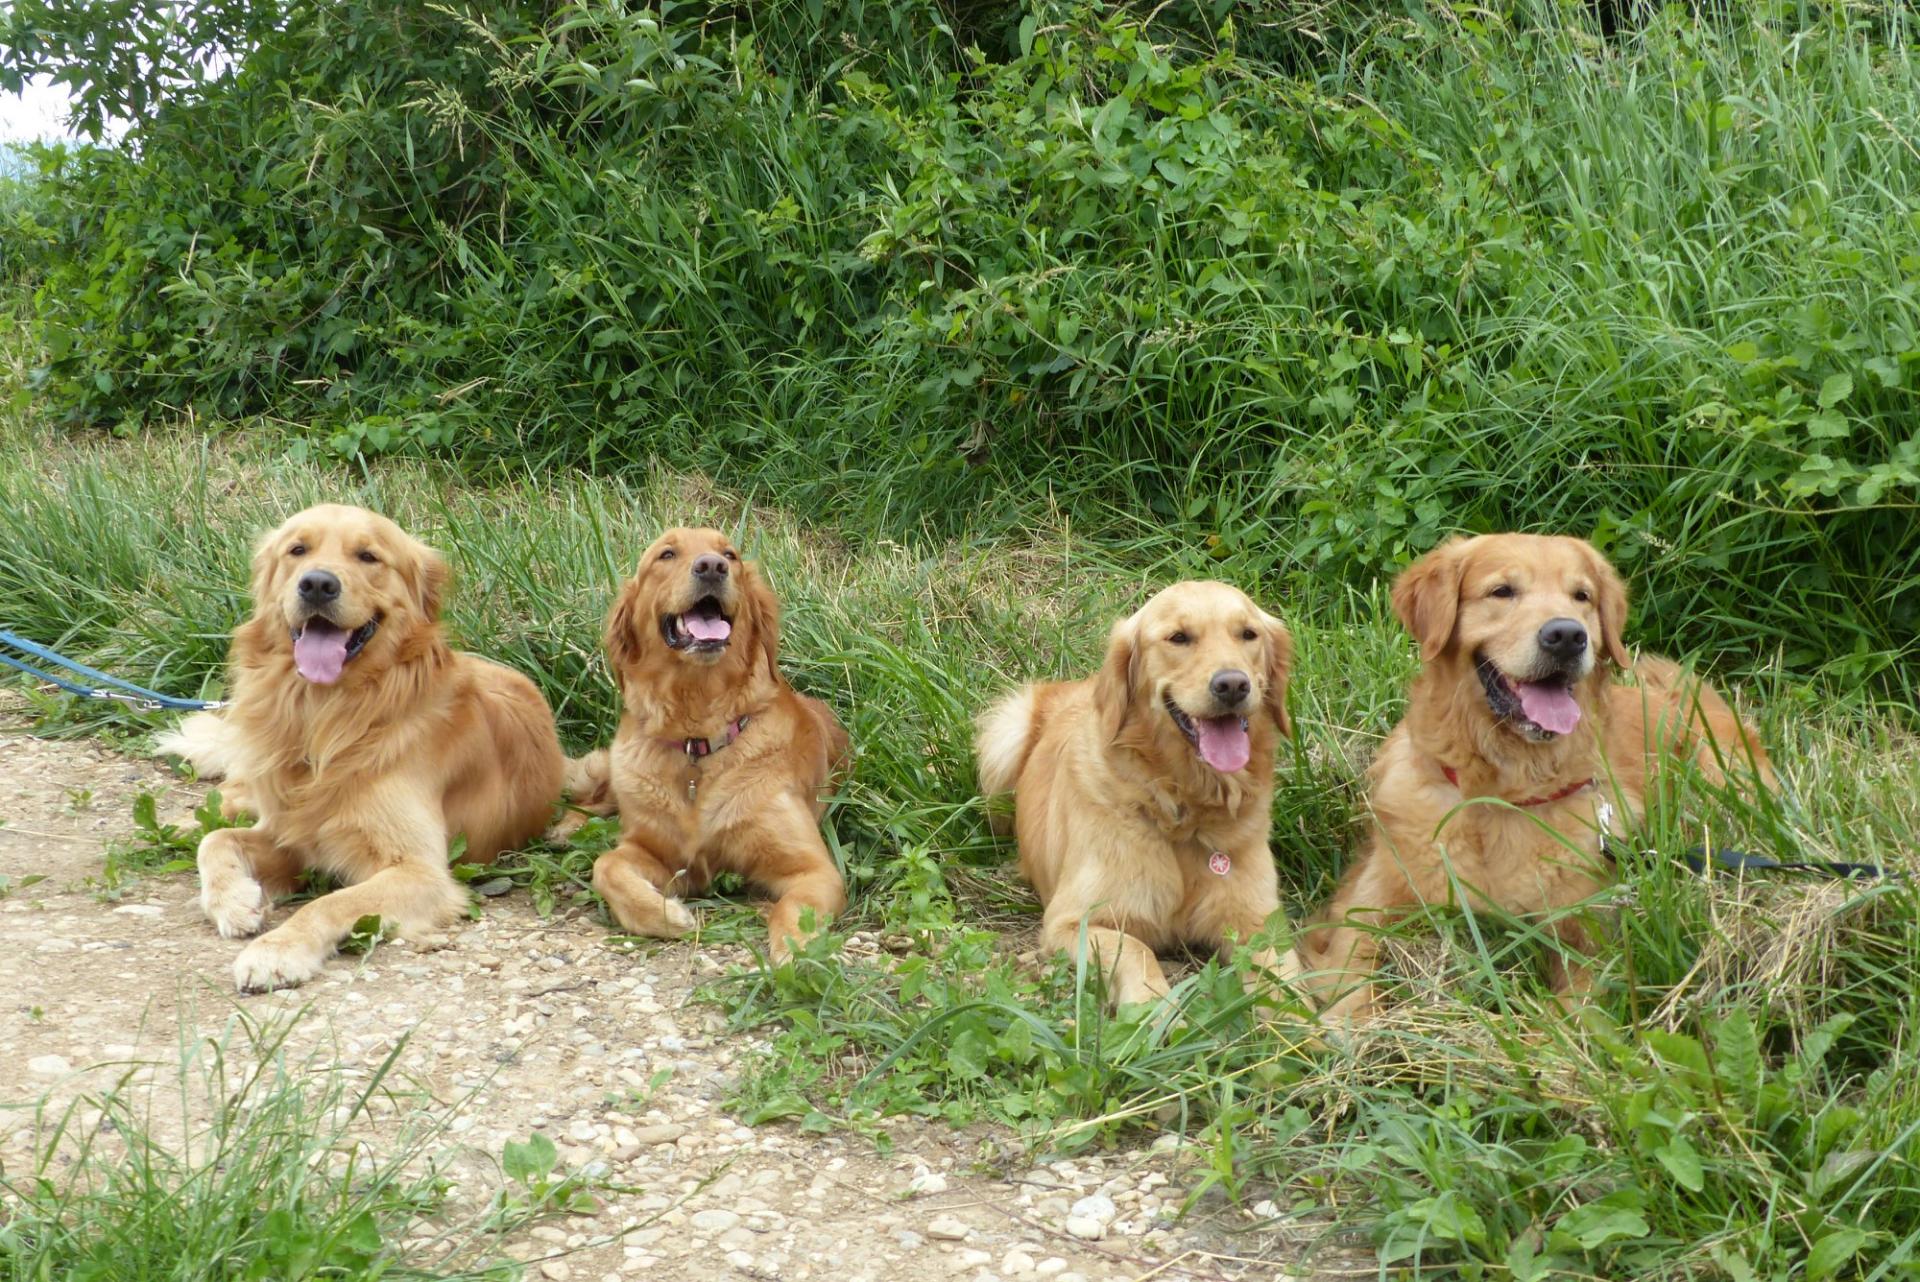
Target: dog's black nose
point(710, 565)
point(1231, 687)
point(319, 587)
point(1563, 638)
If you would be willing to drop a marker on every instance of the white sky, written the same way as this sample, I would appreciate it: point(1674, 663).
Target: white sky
point(39, 113)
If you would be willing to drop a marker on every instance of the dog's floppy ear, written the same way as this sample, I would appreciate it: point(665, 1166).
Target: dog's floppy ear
point(265, 555)
point(765, 608)
point(1113, 685)
point(1426, 596)
point(1610, 599)
point(623, 623)
point(1279, 671)
point(427, 576)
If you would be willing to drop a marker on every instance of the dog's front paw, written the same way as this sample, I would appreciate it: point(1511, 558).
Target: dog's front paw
point(276, 961)
point(237, 909)
point(676, 919)
point(652, 914)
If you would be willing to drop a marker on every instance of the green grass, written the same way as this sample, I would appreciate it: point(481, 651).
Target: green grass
point(241, 1160)
point(973, 352)
point(1300, 288)
point(1740, 1091)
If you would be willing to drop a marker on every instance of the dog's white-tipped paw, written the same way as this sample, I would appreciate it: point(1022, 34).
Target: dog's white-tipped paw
point(675, 919)
point(271, 962)
point(237, 910)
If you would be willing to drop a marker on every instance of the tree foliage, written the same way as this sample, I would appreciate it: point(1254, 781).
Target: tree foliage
point(1308, 291)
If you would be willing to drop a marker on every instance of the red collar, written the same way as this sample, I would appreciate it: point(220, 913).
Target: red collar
point(1453, 777)
point(697, 748)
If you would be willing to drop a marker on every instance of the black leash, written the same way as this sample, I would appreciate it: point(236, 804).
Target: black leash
point(1739, 861)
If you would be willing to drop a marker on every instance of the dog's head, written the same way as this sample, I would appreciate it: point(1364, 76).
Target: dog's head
point(335, 584)
point(1534, 616)
point(1203, 659)
point(693, 602)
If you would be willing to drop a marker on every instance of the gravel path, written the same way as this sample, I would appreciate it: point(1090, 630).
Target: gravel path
point(526, 1024)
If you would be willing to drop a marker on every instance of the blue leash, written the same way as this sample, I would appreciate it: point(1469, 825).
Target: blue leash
point(112, 688)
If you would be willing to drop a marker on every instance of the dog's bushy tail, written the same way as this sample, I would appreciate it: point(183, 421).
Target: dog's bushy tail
point(589, 791)
point(1003, 735)
point(205, 741)
point(1690, 716)
point(590, 782)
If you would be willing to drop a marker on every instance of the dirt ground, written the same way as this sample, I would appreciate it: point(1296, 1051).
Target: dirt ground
point(527, 1024)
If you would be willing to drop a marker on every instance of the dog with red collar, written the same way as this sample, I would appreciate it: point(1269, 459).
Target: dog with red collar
point(1521, 749)
point(718, 765)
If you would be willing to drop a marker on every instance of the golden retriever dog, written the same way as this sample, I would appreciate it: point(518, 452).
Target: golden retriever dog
point(1142, 793)
point(718, 765)
point(364, 744)
point(1519, 753)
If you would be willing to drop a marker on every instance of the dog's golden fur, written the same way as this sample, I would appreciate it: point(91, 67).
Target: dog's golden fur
point(1477, 608)
point(1116, 813)
point(368, 777)
point(751, 806)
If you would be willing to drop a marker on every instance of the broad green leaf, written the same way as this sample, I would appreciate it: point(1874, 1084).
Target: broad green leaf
point(1598, 1223)
point(1827, 426)
point(527, 1160)
point(1833, 1251)
point(1524, 1263)
point(1679, 1051)
point(1449, 1217)
point(1836, 388)
point(967, 1057)
point(1682, 1161)
point(363, 1233)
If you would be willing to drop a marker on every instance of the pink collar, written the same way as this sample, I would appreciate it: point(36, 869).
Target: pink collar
point(1453, 777)
point(698, 748)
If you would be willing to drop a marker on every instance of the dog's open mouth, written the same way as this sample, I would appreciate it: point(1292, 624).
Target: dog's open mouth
point(1221, 741)
point(1539, 709)
point(703, 629)
point(321, 647)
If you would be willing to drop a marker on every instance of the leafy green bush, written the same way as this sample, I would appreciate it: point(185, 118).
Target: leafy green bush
point(1313, 294)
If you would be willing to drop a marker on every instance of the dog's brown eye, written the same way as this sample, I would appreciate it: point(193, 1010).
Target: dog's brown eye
point(1583, 595)
point(298, 549)
point(731, 555)
point(1503, 591)
point(1180, 638)
point(1248, 634)
point(369, 558)
point(668, 555)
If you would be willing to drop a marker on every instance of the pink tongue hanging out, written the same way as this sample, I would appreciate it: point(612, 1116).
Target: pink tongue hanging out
point(706, 627)
point(320, 651)
point(1223, 742)
point(1551, 707)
